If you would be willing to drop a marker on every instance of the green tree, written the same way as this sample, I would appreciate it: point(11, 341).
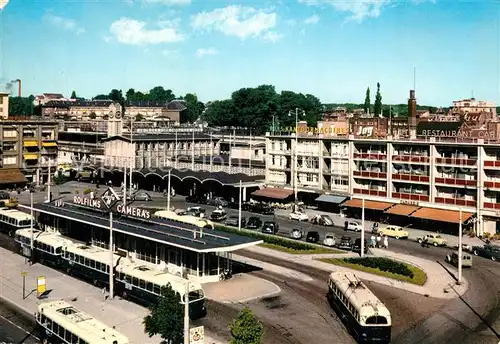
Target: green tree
point(159, 94)
point(73, 95)
point(377, 107)
point(246, 329)
point(130, 95)
point(220, 113)
point(21, 106)
point(367, 104)
point(116, 96)
point(92, 115)
point(194, 108)
point(102, 97)
point(166, 317)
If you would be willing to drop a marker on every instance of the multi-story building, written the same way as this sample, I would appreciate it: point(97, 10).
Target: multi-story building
point(474, 105)
point(438, 168)
point(27, 148)
point(4, 105)
point(44, 98)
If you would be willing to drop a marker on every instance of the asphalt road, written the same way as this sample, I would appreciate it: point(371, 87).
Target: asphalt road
point(15, 326)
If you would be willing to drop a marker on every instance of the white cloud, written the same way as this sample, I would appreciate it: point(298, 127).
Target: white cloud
point(204, 52)
point(3, 3)
point(237, 21)
point(314, 19)
point(168, 2)
point(134, 32)
point(63, 23)
point(272, 36)
point(358, 9)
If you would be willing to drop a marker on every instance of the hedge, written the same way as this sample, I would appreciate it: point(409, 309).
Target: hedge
point(269, 239)
point(383, 264)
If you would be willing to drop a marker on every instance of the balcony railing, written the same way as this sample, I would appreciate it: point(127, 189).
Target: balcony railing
point(411, 196)
point(456, 161)
point(456, 181)
point(491, 205)
point(369, 174)
point(492, 163)
point(492, 185)
point(335, 171)
point(410, 177)
point(455, 201)
point(369, 192)
point(411, 158)
point(370, 156)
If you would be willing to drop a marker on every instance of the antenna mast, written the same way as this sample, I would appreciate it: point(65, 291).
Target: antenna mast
point(414, 78)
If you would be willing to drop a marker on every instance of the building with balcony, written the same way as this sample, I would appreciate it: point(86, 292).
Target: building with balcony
point(4, 105)
point(27, 148)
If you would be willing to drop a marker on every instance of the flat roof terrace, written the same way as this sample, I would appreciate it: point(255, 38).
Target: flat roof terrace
point(166, 232)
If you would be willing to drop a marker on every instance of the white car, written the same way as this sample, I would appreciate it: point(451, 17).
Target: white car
point(353, 226)
point(296, 234)
point(297, 215)
point(329, 240)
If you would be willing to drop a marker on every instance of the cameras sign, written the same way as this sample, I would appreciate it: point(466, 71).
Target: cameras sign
point(197, 335)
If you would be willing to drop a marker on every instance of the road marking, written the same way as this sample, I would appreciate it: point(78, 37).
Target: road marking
point(19, 327)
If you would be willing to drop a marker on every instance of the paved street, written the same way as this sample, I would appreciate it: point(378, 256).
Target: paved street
point(15, 326)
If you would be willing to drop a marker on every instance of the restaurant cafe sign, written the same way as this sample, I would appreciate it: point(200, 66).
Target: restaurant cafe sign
point(120, 208)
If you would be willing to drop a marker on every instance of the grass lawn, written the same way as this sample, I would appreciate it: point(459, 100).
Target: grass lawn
point(313, 250)
point(419, 276)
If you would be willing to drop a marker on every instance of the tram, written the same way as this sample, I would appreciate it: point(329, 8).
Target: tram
point(61, 322)
point(363, 314)
point(48, 246)
point(12, 220)
point(184, 219)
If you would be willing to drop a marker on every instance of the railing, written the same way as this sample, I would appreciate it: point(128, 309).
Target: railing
point(410, 178)
point(370, 156)
point(455, 201)
point(491, 205)
point(456, 181)
point(284, 151)
point(369, 174)
point(456, 161)
point(492, 163)
point(410, 196)
point(411, 158)
point(369, 192)
point(336, 172)
point(493, 185)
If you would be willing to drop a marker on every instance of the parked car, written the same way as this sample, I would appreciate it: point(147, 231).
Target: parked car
point(218, 215)
point(296, 234)
point(196, 211)
point(142, 196)
point(245, 206)
point(218, 202)
point(270, 227)
point(322, 220)
point(329, 239)
point(299, 216)
point(261, 209)
point(394, 232)
point(254, 223)
point(353, 226)
point(453, 259)
point(356, 247)
point(312, 237)
point(487, 251)
point(233, 221)
point(345, 243)
point(197, 199)
point(432, 239)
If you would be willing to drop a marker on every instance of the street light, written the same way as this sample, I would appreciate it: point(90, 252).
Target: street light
point(295, 167)
point(460, 247)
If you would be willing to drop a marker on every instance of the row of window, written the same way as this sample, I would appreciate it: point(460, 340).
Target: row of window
point(139, 283)
point(58, 330)
point(15, 222)
point(344, 300)
point(47, 248)
point(90, 263)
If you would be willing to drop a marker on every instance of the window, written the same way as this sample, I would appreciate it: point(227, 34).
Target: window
point(11, 160)
point(376, 320)
point(142, 284)
point(9, 133)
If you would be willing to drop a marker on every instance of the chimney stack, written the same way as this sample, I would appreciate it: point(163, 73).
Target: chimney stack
point(18, 86)
point(412, 107)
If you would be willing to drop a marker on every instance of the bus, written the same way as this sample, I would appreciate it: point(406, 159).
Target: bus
point(364, 315)
point(48, 246)
point(61, 322)
point(12, 220)
point(184, 219)
point(142, 283)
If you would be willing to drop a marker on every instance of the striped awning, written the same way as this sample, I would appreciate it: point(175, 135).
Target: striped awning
point(30, 143)
point(49, 144)
point(30, 156)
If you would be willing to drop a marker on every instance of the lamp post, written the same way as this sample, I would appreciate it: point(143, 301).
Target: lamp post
point(31, 224)
point(459, 281)
point(295, 167)
point(186, 313)
point(362, 227)
point(48, 182)
point(239, 207)
point(168, 190)
point(111, 262)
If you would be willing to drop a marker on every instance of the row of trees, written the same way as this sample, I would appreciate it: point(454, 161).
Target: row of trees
point(377, 106)
point(166, 319)
point(259, 107)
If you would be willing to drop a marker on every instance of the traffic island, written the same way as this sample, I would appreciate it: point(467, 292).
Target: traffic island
point(382, 266)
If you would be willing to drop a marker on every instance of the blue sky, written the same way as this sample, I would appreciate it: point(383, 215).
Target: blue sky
point(332, 49)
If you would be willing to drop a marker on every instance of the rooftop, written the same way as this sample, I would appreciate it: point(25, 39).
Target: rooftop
point(187, 237)
point(181, 136)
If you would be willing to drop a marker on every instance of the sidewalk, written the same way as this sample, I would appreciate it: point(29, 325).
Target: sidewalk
point(452, 240)
point(439, 283)
point(125, 316)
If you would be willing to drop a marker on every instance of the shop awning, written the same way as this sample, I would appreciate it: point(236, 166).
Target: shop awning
point(331, 199)
point(441, 215)
point(372, 205)
point(30, 156)
point(49, 144)
point(275, 193)
point(12, 176)
point(401, 209)
point(30, 143)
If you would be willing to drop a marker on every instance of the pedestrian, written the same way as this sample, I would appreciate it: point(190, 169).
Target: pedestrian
point(386, 242)
point(379, 241)
point(373, 241)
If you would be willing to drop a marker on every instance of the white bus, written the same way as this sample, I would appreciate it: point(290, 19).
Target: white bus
point(171, 216)
point(364, 315)
point(142, 282)
point(12, 220)
point(48, 245)
point(63, 323)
